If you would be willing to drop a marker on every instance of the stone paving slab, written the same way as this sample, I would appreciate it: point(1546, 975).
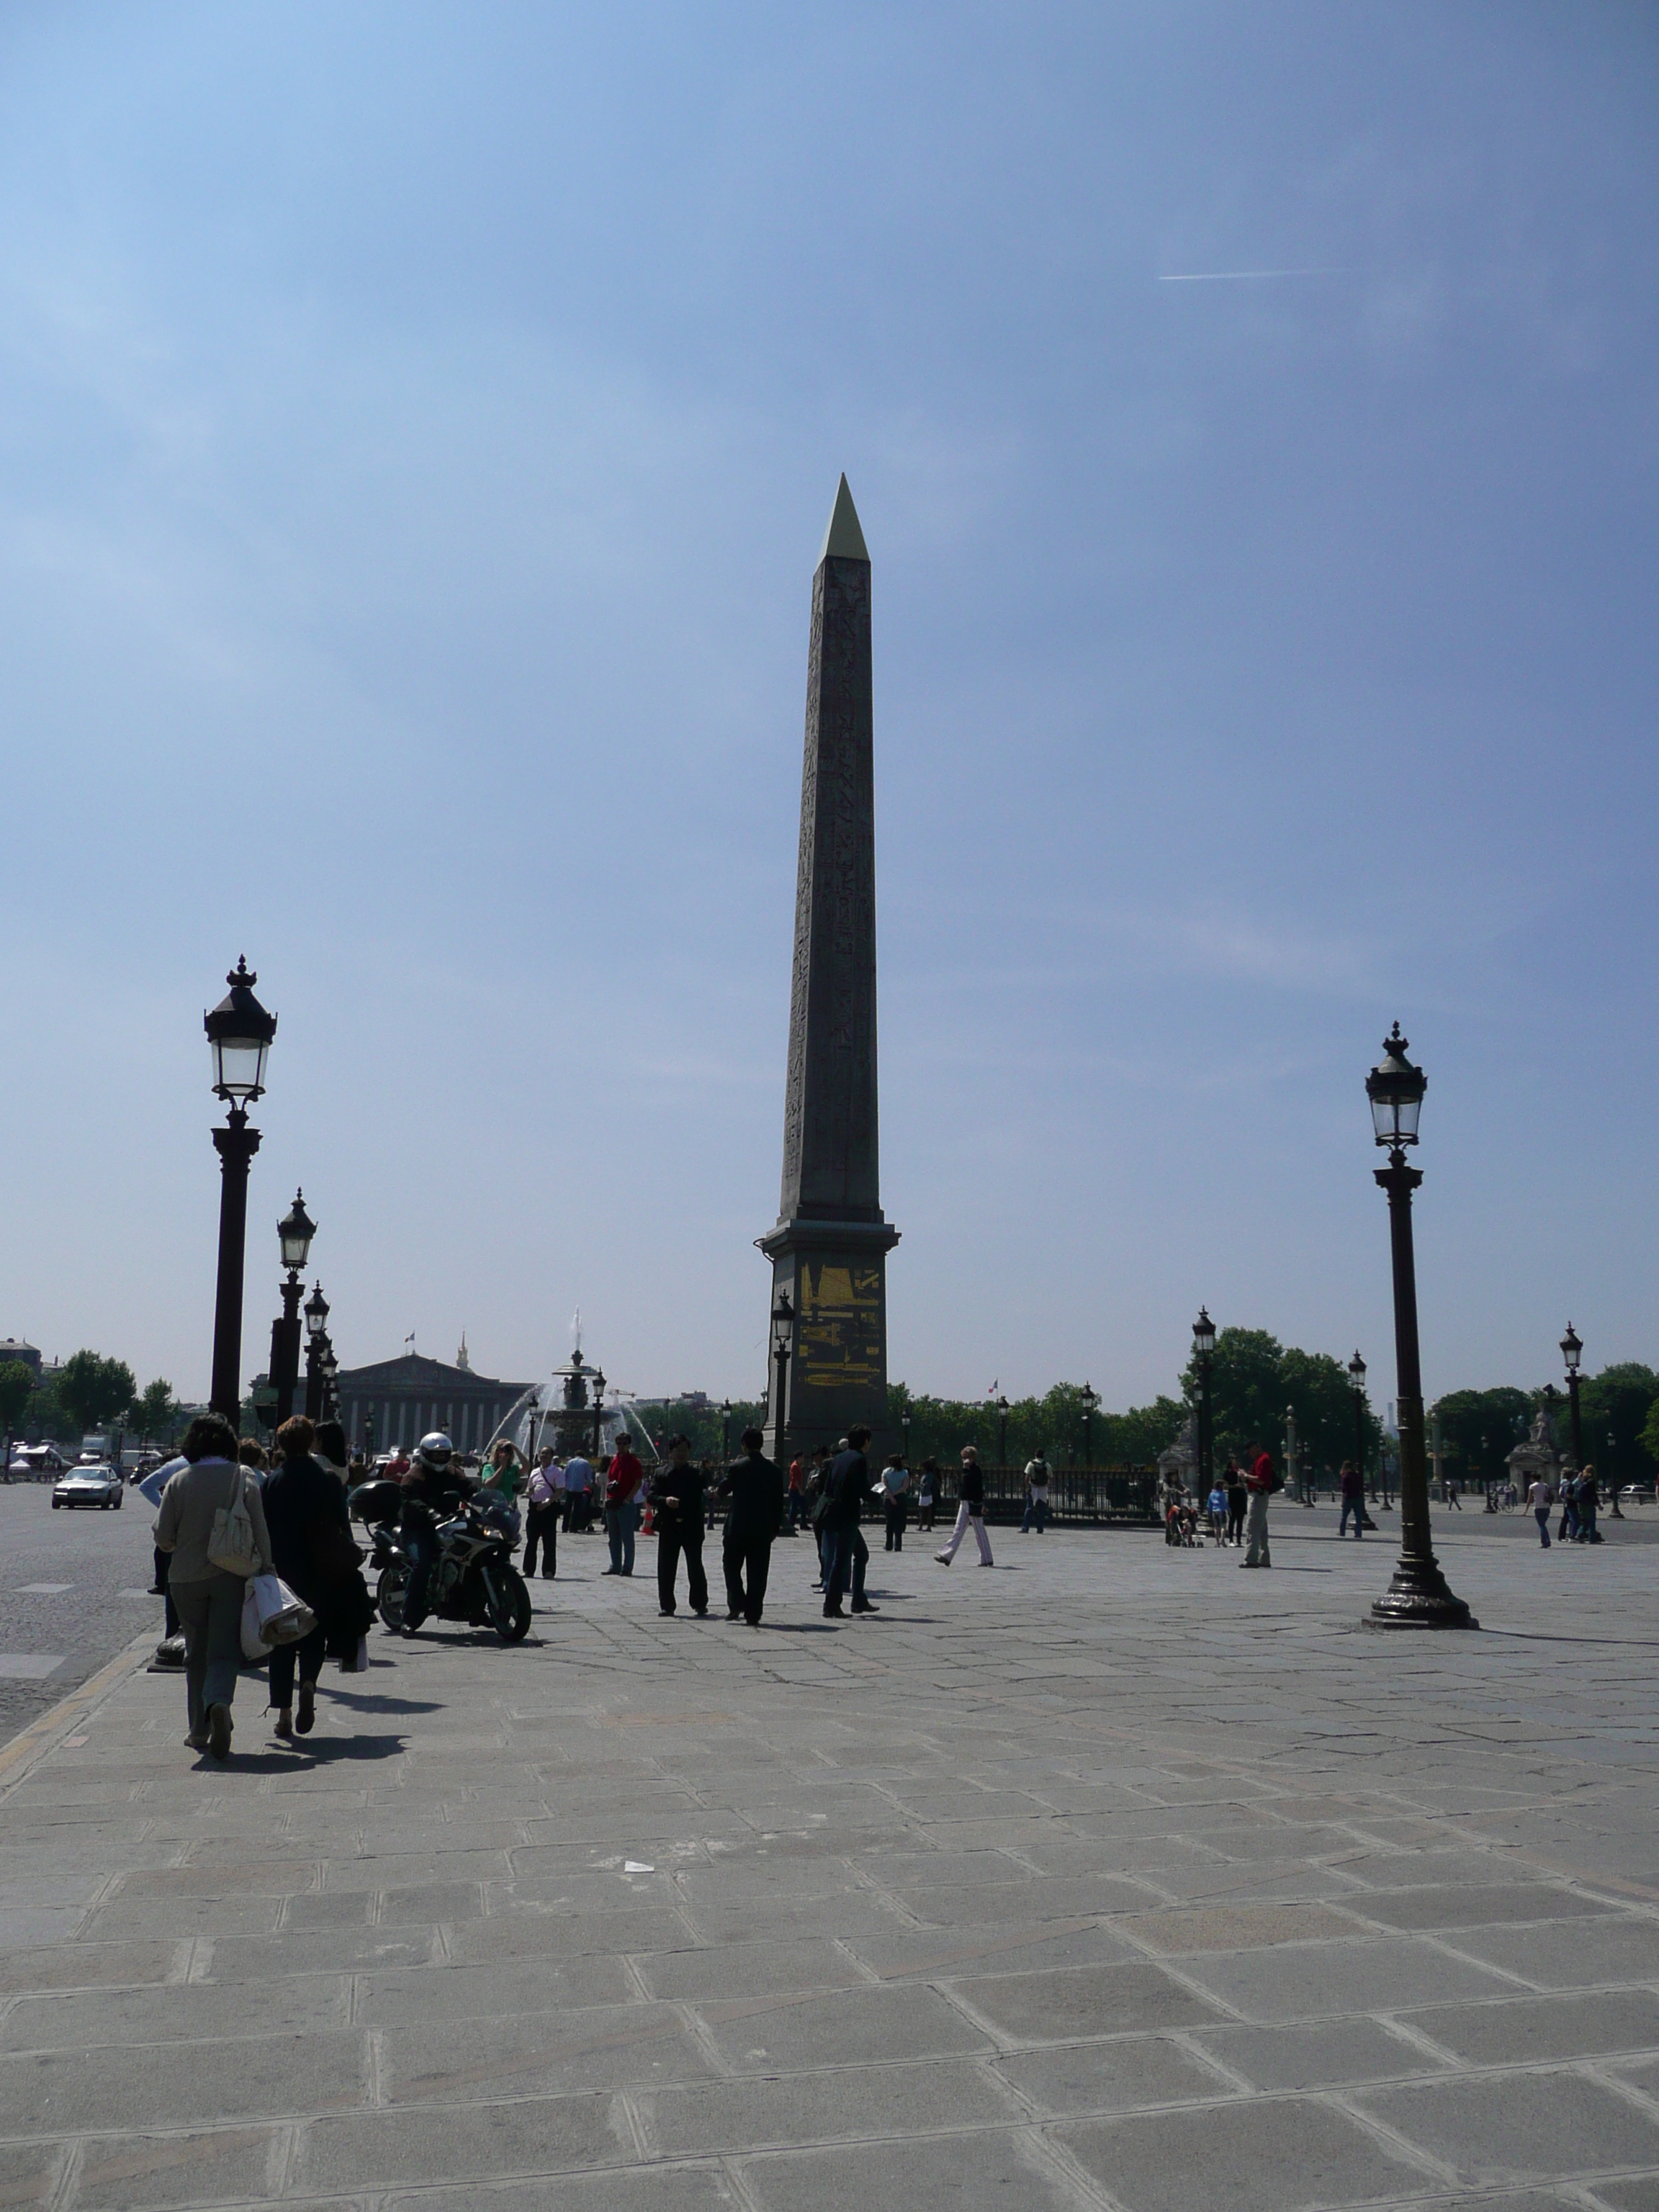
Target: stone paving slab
point(1109, 1881)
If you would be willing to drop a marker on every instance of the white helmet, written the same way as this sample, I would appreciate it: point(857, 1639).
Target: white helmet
point(434, 1451)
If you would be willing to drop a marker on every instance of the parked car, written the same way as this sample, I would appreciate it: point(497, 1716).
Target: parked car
point(94, 1482)
point(1638, 1493)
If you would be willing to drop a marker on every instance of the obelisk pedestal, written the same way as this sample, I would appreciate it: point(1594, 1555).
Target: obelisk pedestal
point(829, 1250)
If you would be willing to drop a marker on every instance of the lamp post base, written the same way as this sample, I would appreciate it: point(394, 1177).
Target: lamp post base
point(1419, 1597)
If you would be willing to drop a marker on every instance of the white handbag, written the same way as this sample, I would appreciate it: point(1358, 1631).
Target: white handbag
point(230, 1546)
point(272, 1614)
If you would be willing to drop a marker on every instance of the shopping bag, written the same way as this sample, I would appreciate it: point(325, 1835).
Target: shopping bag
point(282, 1618)
point(254, 1647)
point(230, 1545)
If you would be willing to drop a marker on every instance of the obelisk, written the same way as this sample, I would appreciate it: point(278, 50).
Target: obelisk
point(828, 1251)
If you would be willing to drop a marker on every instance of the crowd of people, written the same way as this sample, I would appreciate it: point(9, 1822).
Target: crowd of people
point(288, 1511)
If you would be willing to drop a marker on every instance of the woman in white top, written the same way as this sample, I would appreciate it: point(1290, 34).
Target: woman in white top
point(209, 1601)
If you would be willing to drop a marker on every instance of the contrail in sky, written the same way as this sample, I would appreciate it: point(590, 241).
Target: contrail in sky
point(1243, 276)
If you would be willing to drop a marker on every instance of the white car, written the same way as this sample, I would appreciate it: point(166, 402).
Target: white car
point(96, 1483)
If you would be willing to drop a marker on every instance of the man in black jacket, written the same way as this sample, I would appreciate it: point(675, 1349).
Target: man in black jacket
point(677, 1501)
point(846, 1554)
point(756, 1490)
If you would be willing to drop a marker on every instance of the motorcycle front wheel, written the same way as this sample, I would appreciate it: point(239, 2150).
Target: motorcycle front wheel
point(509, 1600)
point(390, 1591)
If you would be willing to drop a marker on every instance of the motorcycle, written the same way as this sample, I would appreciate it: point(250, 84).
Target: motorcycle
point(473, 1577)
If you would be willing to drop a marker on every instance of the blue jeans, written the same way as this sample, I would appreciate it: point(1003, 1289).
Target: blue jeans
point(620, 1522)
point(1036, 1513)
point(1356, 1507)
point(1541, 1515)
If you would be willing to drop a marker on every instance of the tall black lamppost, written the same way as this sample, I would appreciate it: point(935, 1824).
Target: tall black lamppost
point(294, 1233)
point(1356, 1384)
point(726, 1432)
point(1572, 1352)
point(239, 1032)
point(1204, 1352)
point(598, 1407)
point(330, 1381)
point(1088, 1399)
point(1612, 1479)
point(1418, 1596)
point(904, 1434)
point(316, 1311)
point(1000, 1406)
point(783, 1343)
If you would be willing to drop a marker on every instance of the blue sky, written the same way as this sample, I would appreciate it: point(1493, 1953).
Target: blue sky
point(417, 427)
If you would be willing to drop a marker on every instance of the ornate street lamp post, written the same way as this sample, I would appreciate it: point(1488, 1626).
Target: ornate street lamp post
point(1418, 1596)
point(1356, 1384)
point(783, 1343)
point(239, 1032)
point(1089, 1398)
point(1572, 1352)
point(316, 1311)
point(598, 1403)
point(294, 1234)
point(904, 1434)
point(726, 1432)
point(999, 1405)
point(1204, 1352)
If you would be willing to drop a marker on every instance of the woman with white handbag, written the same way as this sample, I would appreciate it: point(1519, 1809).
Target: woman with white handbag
point(213, 1522)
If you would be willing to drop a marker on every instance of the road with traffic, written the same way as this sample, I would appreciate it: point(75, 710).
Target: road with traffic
point(74, 1589)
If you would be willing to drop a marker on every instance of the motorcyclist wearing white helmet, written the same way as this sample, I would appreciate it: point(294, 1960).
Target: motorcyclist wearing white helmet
point(433, 1488)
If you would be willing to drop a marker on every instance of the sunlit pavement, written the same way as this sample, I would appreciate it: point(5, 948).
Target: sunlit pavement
point(1114, 1877)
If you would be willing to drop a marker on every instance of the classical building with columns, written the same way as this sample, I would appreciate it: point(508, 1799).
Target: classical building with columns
point(398, 1401)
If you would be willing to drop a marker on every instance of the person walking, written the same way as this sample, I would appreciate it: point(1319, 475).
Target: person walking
point(846, 1554)
point(927, 1493)
point(755, 1489)
point(677, 1500)
point(208, 1596)
point(1540, 1496)
point(1567, 1495)
point(895, 1489)
point(1259, 1483)
point(795, 1500)
point(1238, 1499)
point(578, 1495)
point(1353, 1485)
point(541, 1515)
point(312, 1546)
point(1037, 1495)
point(623, 1480)
point(1587, 1502)
point(970, 1511)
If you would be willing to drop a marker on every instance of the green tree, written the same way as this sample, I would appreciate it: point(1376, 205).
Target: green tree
point(1478, 1429)
point(155, 1413)
point(1617, 1403)
point(1246, 1389)
point(1651, 1431)
point(16, 1389)
point(92, 1390)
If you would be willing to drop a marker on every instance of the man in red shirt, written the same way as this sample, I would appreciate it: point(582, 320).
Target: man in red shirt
point(623, 1478)
point(1259, 1483)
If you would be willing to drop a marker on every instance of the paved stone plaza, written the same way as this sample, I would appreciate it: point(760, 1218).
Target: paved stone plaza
point(1112, 1877)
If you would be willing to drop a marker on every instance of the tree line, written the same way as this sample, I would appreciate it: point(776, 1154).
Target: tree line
point(1253, 1381)
point(87, 1395)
